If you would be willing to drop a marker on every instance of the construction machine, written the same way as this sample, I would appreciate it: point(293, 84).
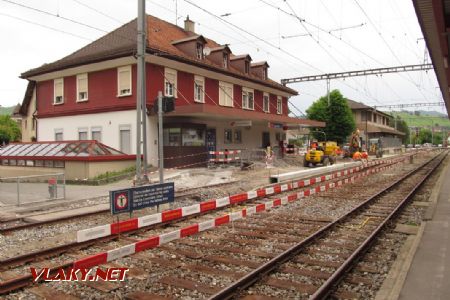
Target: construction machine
point(321, 152)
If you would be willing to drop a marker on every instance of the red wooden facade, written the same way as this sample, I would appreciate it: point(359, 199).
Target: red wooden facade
point(103, 94)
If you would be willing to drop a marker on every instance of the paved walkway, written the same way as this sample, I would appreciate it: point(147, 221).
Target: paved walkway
point(429, 274)
point(38, 192)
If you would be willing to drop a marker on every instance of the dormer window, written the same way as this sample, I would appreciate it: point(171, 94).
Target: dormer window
point(247, 67)
point(199, 51)
point(225, 60)
point(264, 73)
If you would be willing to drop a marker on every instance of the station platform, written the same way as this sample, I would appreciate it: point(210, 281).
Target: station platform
point(429, 272)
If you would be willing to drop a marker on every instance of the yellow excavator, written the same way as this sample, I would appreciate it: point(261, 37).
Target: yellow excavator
point(324, 153)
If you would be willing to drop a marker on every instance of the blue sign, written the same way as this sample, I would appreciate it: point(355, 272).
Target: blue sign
point(135, 198)
point(152, 195)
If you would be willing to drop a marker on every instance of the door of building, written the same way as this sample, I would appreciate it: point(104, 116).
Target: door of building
point(211, 139)
point(265, 139)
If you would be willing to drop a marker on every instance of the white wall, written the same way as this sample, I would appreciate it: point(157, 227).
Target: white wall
point(108, 121)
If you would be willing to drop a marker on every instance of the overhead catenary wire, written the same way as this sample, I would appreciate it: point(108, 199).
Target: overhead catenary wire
point(335, 37)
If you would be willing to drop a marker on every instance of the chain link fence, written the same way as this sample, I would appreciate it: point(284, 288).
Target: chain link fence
point(31, 189)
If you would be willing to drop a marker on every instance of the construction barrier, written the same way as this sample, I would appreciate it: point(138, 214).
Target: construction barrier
point(212, 204)
point(224, 157)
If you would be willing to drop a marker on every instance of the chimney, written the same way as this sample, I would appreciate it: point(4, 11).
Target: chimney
point(189, 25)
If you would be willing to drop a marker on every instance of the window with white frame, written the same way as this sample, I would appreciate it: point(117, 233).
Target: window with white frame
point(248, 99)
point(58, 91)
point(199, 89)
point(82, 87)
point(279, 105)
point(125, 138)
point(266, 102)
point(225, 94)
point(96, 133)
point(58, 134)
point(83, 133)
point(124, 81)
point(170, 82)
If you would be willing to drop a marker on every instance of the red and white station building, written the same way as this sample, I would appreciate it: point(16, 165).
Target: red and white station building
point(223, 101)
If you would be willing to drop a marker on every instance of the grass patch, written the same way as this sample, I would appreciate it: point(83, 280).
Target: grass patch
point(109, 175)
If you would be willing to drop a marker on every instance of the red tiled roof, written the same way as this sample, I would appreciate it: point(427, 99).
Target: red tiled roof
point(160, 35)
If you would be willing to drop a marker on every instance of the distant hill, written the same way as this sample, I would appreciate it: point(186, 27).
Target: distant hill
point(7, 110)
point(425, 119)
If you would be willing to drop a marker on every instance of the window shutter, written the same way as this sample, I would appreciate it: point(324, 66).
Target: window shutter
point(82, 84)
point(124, 80)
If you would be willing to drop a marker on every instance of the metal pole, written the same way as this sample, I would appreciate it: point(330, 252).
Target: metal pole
point(140, 83)
point(143, 91)
point(64, 186)
point(160, 138)
point(328, 90)
point(18, 191)
point(431, 132)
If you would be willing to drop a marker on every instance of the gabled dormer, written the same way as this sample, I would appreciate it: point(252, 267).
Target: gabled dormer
point(241, 63)
point(191, 46)
point(259, 69)
point(220, 56)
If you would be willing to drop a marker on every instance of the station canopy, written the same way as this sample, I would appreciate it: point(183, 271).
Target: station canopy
point(61, 150)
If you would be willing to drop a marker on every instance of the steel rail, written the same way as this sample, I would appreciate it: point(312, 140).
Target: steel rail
point(326, 288)
point(252, 277)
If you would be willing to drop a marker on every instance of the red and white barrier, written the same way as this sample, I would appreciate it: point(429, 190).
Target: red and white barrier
point(224, 156)
point(155, 241)
point(178, 213)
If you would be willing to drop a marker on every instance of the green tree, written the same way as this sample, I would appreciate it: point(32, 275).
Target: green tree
point(424, 136)
point(337, 116)
point(402, 126)
point(437, 138)
point(9, 130)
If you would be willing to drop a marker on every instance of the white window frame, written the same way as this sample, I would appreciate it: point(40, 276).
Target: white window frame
point(55, 83)
point(83, 130)
point(170, 74)
point(225, 98)
point(119, 92)
point(246, 92)
point(59, 131)
point(125, 127)
point(279, 105)
point(96, 129)
point(80, 77)
point(199, 96)
point(268, 102)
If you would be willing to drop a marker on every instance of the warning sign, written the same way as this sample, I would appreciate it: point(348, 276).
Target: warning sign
point(135, 198)
point(120, 201)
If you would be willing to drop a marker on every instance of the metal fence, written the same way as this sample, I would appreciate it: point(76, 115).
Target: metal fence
point(31, 189)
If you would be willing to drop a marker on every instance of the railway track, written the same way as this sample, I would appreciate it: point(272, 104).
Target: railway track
point(345, 239)
point(64, 261)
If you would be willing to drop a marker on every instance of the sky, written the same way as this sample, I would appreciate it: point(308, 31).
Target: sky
point(296, 37)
